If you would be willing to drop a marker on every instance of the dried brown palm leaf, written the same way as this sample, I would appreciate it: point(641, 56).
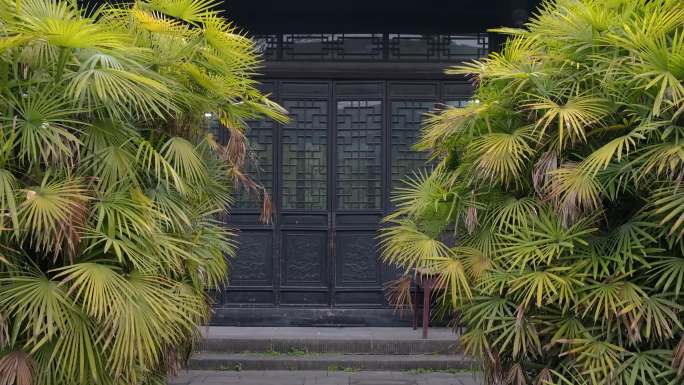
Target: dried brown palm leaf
point(471, 220)
point(16, 368)
point(398, 293)
point(172, 360)
point(236, 149)
point(266, 215)
point(516, 375)
point(4, 331)
point(259, 192)
point(544, 377)
point(678, 358)
point(69, 231)
point(541, 172)
point(575, 192)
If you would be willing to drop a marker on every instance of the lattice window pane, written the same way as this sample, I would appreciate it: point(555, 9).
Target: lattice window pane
point(406, 120)
point(259, 161)
point(305, 143)
point(359, 142)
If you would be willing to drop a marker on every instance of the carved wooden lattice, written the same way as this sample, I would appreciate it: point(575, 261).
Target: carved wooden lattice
point(259, 161)
point(406, 121)
point(305, 143)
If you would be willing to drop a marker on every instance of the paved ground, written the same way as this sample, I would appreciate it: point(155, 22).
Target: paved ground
point(344, 333)
point(196, 377)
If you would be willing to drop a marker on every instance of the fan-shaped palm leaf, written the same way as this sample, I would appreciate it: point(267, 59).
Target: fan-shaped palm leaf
point(184, 158)
point(148, 323)
point(573, 116)
point(452, 122)
point(60, 24)
point(656, 316)
point(101, 288)
point(8, 198)
point(668, 206)
point(615, 150)
point(49, 210)
point(668, 274)
point(575, 192)
point(122, 90)
point(155, 164)
point(556, 285)
point(38, 305)
point(403, 244)
point(44, 127)
point(501, 156)
point(607, 300)
point(599, 360)
point(518, 335)
point(187, 10)
point(645, 367)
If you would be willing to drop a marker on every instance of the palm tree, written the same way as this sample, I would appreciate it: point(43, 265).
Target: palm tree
point(111, 186)
point(557, 202)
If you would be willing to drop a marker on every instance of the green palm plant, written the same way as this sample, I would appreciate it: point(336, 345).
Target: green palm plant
point(564, 180)
point(112, 187)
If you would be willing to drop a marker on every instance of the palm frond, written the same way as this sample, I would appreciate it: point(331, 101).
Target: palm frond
point(573, 117)
point(668, 274)
point(645, 367)
point(101, 288)
point(501, 157)
point(62, 25)
point(187, 10)
point(122, 87)
point(184, 158)
point(8, 198)
point(575, 192)
point(40, 307)
point(50, 211)
point(44, 128)
point(155, 164)
point(556, 285)
point(668, 207)
point(403, 244)
point(599, 360)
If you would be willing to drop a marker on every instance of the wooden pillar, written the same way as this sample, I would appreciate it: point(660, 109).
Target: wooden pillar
point(427, 287)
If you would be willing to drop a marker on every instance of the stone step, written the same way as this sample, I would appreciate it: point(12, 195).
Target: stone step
point(328, 362)
point(293, 340)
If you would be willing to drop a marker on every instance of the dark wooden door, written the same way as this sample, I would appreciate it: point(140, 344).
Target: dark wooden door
point(330, 172)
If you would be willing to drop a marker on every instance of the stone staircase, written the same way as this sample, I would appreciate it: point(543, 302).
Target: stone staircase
point(328, 349)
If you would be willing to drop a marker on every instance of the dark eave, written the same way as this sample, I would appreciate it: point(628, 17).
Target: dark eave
point(350, 16)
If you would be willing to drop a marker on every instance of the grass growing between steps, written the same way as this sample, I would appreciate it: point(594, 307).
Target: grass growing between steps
point(274, 353)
